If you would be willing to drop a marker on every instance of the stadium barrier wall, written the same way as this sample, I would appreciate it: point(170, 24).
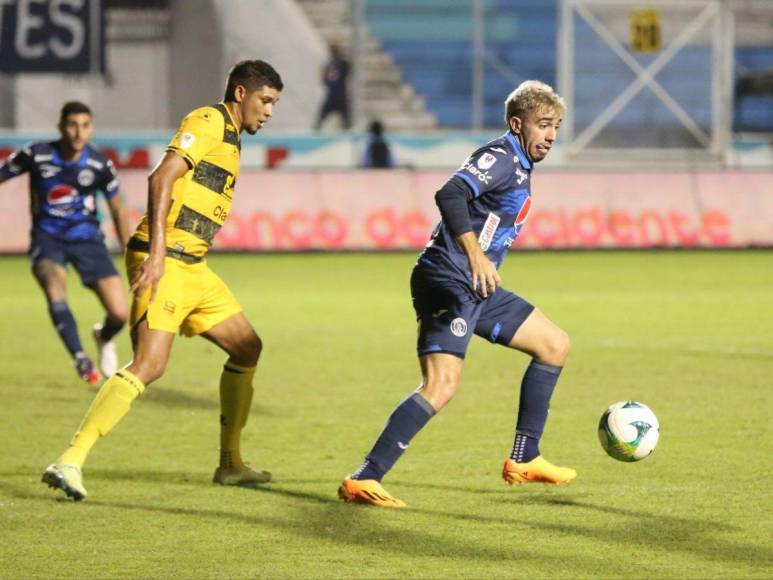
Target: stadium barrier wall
point(395, 210)
point(345, 150)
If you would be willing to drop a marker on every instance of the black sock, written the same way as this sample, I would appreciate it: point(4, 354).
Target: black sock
point(403, 424)
point(110, 328)
point(66, 327)
point(537, 387)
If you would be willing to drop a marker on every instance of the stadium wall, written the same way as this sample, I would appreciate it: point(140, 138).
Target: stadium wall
point(278, 150)
point(395, 210)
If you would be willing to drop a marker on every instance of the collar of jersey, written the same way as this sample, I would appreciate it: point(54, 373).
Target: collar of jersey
point(230, 117)
point(525, 163)
point(57, 158)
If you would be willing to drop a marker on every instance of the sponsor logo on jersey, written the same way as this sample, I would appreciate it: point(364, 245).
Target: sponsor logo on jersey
point(85, 177)
point(47, 171)
point(522, 175)
point(523, 213)
point(61, 194)
point(99, 166)
point(459, 327)
point(499, 150)
point(487, 233)
point(482, 176)
point(486, 160)
point(186, 140)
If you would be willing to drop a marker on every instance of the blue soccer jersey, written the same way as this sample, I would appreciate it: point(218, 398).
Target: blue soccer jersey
point(63, 193)
point(498, 178)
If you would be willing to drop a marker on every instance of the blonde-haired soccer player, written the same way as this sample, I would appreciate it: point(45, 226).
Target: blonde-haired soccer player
point(457, 292)
point(189, 198)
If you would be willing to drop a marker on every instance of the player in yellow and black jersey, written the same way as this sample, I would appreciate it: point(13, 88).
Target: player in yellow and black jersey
point(189, 198)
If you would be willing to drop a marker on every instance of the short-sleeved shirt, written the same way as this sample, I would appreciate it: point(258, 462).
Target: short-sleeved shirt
point(497, 178)
point(63, 193)
point(201, 199)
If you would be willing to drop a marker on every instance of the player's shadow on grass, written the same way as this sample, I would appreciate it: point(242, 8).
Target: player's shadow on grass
point(503, 490)
point(321, 517)
point(187, 477)
point(660, 531)
point(349, 526)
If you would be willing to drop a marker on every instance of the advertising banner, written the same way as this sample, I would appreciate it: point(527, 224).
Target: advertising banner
point(395, 210)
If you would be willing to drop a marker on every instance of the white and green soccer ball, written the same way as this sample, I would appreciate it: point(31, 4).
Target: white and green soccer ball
point(629, 431)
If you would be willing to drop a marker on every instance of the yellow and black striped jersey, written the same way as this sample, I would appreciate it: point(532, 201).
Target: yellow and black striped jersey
point(201, 199)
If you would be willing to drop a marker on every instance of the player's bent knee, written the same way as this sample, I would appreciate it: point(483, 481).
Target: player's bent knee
point(555, 348)
point(119, 316)
point(147, 370)
point(247, 351)
point(440, 389)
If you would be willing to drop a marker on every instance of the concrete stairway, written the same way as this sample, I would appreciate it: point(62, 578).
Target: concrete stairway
point(384, 95)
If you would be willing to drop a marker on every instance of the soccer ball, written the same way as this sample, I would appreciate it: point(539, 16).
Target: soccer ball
point(629, 431)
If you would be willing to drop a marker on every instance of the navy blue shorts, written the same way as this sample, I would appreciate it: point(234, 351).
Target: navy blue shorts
point(449, 314)
point(90, 258)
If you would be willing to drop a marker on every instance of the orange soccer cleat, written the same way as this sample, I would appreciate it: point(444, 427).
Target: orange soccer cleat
point(368, 491)
point(87, 371)
point(538, 470)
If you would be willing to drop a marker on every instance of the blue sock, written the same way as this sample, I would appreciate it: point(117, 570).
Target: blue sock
point(537, 387)
point(66, 327)
point(110, 328)
point(403, 424)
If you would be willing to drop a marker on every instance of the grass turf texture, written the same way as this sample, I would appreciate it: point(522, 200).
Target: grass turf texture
point(689, 334)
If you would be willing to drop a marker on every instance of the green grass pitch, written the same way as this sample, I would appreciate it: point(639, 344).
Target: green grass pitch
point(688, 333)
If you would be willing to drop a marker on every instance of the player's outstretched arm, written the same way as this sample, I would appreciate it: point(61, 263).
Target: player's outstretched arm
point(160, 182)
point(485, 277)
point(15, 164)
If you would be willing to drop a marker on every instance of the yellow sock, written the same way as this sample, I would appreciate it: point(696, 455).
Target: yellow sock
point(108, 408)
point(235, 400)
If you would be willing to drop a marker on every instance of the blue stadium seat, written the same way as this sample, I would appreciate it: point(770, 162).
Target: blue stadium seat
point(431, 42)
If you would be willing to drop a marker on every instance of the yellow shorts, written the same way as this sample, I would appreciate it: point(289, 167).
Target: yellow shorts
point(190, 298)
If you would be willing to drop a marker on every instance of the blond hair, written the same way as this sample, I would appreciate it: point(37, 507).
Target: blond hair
point(533, 96)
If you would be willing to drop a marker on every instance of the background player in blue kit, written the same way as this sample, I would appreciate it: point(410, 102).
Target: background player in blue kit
point(456, 293)
point(65, 176)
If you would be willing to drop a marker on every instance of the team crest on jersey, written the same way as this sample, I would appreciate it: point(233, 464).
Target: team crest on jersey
point(186, 140)
point(459, 327)
point(85, 177)
point(486, 160)
point(522, 175)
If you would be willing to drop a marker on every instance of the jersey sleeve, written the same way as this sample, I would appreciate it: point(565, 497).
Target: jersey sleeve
point(198, 134)
point(16, 163)
point(109, 180)
point(488, 169)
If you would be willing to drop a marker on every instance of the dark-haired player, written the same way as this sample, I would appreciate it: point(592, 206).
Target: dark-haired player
point(189, 197)
point(456, 293)
point(65, 177)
